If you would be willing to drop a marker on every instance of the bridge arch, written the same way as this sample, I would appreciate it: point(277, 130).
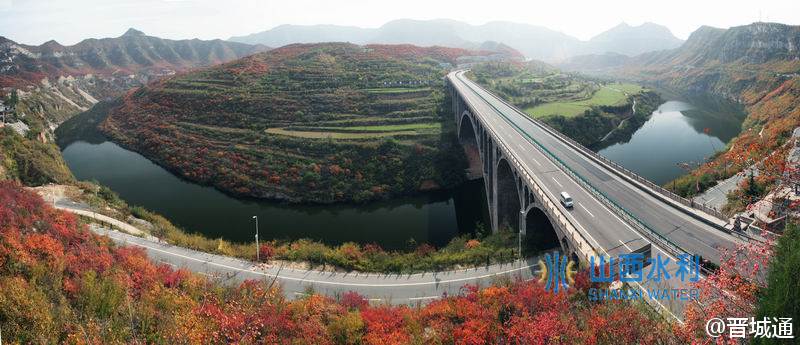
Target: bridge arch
point(467, 136)
point(540, 232)
point(508, 196)
point(466, 130)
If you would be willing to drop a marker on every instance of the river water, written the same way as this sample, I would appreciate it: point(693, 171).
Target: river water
point(682, 130)
point(435, 217)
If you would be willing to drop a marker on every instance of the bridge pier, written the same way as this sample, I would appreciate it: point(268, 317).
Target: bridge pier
point(512, 195)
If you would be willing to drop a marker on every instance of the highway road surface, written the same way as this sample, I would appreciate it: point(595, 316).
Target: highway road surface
point(690, 234)
point(607, 232)
point(381, 288)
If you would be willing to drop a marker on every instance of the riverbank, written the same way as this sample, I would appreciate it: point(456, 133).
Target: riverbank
point(461, 252)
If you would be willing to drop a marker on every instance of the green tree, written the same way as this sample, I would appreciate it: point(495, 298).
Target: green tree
point(752, 187)
point(14, 99)
point(780, 298)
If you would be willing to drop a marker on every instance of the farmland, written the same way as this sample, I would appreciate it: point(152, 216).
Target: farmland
point(585, 109)
point(304, 123)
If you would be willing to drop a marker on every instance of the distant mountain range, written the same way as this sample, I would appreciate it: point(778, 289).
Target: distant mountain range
point(756, 65)
point(57, 81)
point(535, 42)
point(760, 46)
point(132, 53)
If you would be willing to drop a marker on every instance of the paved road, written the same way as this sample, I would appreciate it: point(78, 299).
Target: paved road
point(91, 214)
point(608, 233)
point(688, 233)
point(390, 288)
point(717, 196)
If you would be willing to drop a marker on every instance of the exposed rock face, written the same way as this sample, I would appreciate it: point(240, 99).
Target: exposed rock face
point(754, 44)
point(57, 81)
point(130, 54)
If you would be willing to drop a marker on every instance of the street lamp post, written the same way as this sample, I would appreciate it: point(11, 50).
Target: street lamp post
point(257, 248)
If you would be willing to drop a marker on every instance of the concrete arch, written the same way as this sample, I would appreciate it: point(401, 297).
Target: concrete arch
point(509, 201)
point(467, 136)
point(540, 230)
point(466, 130)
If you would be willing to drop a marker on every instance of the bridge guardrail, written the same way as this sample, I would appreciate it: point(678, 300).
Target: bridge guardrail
point(549, 205)
point(643, 227)
point(654, 189)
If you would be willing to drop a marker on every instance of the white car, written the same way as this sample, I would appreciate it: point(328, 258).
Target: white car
point(566, 200)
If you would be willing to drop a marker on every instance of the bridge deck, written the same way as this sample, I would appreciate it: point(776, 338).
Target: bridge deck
point(605, 229)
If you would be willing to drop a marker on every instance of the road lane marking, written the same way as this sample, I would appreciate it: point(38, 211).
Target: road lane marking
point(324, 282)
point(587, 210)
point(626, 246)
point(419, 298)
point(578, 224)
point(554, 179)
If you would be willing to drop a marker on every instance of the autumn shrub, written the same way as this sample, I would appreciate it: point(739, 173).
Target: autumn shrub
point(60, 283)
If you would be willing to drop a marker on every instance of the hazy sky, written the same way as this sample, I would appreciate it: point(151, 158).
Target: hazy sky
point(69, 21)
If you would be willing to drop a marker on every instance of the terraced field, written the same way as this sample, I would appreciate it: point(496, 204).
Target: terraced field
point(321, 123)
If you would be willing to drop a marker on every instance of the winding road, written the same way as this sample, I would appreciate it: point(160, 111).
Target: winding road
point(381, 288)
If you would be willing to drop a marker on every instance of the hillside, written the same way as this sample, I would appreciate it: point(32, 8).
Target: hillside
point(56, 82)
point(757, 65)
point(132, 53)
point(60, 283)
point(632, 40)
point(533, 41)
point(594, 112)
point(320, 122)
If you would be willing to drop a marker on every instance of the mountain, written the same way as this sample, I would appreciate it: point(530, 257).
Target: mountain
point(57, 81)
point(632, 40)
point(754, 44)
point(592, 63)
point(132, 53)
point(323, 122)
point(533, 41)
point(425, 33)
point(757, 65)
point(287, 34)
point(536, 42)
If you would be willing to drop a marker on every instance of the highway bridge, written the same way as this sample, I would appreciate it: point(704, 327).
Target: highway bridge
point(526, 165)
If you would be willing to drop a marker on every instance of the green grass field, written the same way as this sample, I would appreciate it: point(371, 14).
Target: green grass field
point(625, 87)
point(336, 135)
point(397, 90)
point(612, 94)
point(390, 128)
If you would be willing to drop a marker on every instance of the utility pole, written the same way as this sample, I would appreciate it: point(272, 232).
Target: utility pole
point(257, 248)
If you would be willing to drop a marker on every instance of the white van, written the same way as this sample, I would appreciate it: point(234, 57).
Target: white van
point(566, 200)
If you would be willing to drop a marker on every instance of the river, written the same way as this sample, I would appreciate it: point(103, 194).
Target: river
point(435, 217)
point(683, 132)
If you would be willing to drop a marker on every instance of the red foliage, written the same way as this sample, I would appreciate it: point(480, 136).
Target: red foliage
point(353, 300)
point(176, 306)
point(266, 251)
